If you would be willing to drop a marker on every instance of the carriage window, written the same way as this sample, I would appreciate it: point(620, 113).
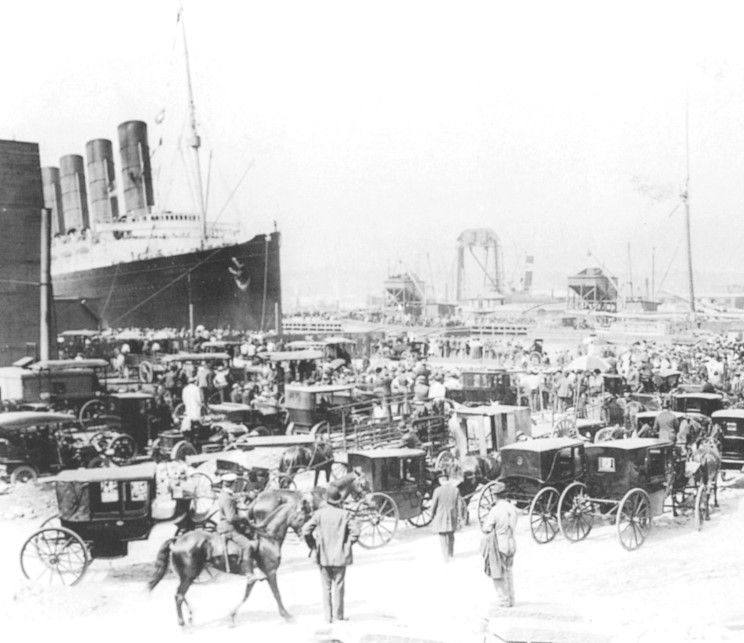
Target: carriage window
point(656, 462)
point(731, 427)
point(138, 491)
point(606, 465)
point(564, 462)
point(109, 491)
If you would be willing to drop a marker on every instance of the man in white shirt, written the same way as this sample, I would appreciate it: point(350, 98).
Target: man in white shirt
point(192, 402)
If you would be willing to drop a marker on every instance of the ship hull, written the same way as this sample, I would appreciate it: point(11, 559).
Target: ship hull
point(237, 286)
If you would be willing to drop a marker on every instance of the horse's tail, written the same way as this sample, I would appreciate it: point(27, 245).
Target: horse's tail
point(161, 564)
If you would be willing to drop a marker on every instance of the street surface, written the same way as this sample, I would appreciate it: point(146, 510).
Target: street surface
point(681, 585)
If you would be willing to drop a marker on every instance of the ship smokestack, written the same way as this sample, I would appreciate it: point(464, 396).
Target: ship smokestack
point(104, 206)
point(74, 194)
point(135, 166)
point(53, 197)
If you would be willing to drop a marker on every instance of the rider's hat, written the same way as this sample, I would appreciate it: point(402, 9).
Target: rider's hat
point(229, 477)
point(333, 496)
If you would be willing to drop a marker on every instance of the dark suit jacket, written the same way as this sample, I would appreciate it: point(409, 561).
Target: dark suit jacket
point(334, 531)
point(444, 507)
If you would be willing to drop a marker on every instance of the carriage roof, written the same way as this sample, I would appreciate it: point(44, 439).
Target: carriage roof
point(543, 445)
point(737, 414)
point(195, 357)
point(628, 445)
point(143, 471)
point(308, 354)
point(699, 396)
point(320, 388)
point(485, 410)
point(382, 454)
point(63, 364)
point(19, 419)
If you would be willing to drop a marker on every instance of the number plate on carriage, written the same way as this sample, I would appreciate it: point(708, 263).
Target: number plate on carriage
point(606, 465)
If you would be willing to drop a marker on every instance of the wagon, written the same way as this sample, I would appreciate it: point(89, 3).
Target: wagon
point(626, 481)
point(401, 489)
point(535, 473)
point(100, 512)
point(318, 408)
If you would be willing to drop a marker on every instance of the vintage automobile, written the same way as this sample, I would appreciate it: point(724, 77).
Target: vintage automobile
point(731, 423)
point(34, 443)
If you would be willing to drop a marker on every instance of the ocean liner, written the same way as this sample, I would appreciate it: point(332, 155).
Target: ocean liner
point(147, 267)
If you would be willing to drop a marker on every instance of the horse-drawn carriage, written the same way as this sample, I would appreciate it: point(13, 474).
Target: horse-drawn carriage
point(703, 403)
point(535, 473)
point(34, 443)
point(318, 408)
point(730, 432)
point(401, 487)
point(626, 481)
point(100, 512)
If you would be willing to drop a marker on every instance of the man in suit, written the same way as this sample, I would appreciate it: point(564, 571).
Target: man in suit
point(331, 531)
point(445, 506)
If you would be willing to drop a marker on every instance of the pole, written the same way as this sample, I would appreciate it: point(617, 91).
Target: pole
point(686, 199)
point(653, 273)
point(45, 301)
point(191, 309)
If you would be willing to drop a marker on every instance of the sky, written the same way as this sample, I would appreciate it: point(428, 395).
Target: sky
point(374, 133)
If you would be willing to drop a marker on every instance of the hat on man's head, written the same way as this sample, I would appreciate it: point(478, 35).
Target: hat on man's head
point(229, 477)
point(333, 496)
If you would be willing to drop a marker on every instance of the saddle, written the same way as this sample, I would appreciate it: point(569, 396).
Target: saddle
point(226, 555)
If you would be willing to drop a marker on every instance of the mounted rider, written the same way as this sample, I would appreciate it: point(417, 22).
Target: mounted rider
point(227, 503)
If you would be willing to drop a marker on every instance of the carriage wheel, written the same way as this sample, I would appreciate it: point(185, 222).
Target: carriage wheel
point(443, 460)
point(378, 519)
point(425, 515)
point(55, 555)
point(52, 521)
point(122, 450)
point(23, 474)
point(544, 515)
point(565, 429)
point(260, 430)
point(281, 481)
point(155, 453)
point(91, 409)
point(339, 470)
point(178, 413)
point(321, 430)
point(486, 499)
point(290, 429)
point(203, 495)
point(146, 372)
point(575, 512)
point(633, 519)
point(182, 450)
point(702, 508)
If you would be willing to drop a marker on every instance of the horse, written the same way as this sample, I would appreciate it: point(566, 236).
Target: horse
point(320, 458)
point(709, 457)
point(269, 500)
point(354, 484)
point(193, 551)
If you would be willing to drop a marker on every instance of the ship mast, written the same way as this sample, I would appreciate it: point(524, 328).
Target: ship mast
point(686, 201)
point(195, 140)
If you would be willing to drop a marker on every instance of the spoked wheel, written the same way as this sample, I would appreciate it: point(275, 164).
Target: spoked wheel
point(566, 428)
point(321, 430)
point(23, 474)
point(575, 512)
point(56, 556)
point(633, 520)
point(425, 516)
point(339, 470)
point(92, 409)
point(181, 450)
point(443, 460)
point(486, 499)
point(281, 481)
point(702, 508)
point(378, 519)
point(202, 494)
point(52, 521)
point(544, 515)
point(122, 450)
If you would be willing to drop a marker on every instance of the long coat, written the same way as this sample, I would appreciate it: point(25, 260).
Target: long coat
point(445, 508)
point(334, 531)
